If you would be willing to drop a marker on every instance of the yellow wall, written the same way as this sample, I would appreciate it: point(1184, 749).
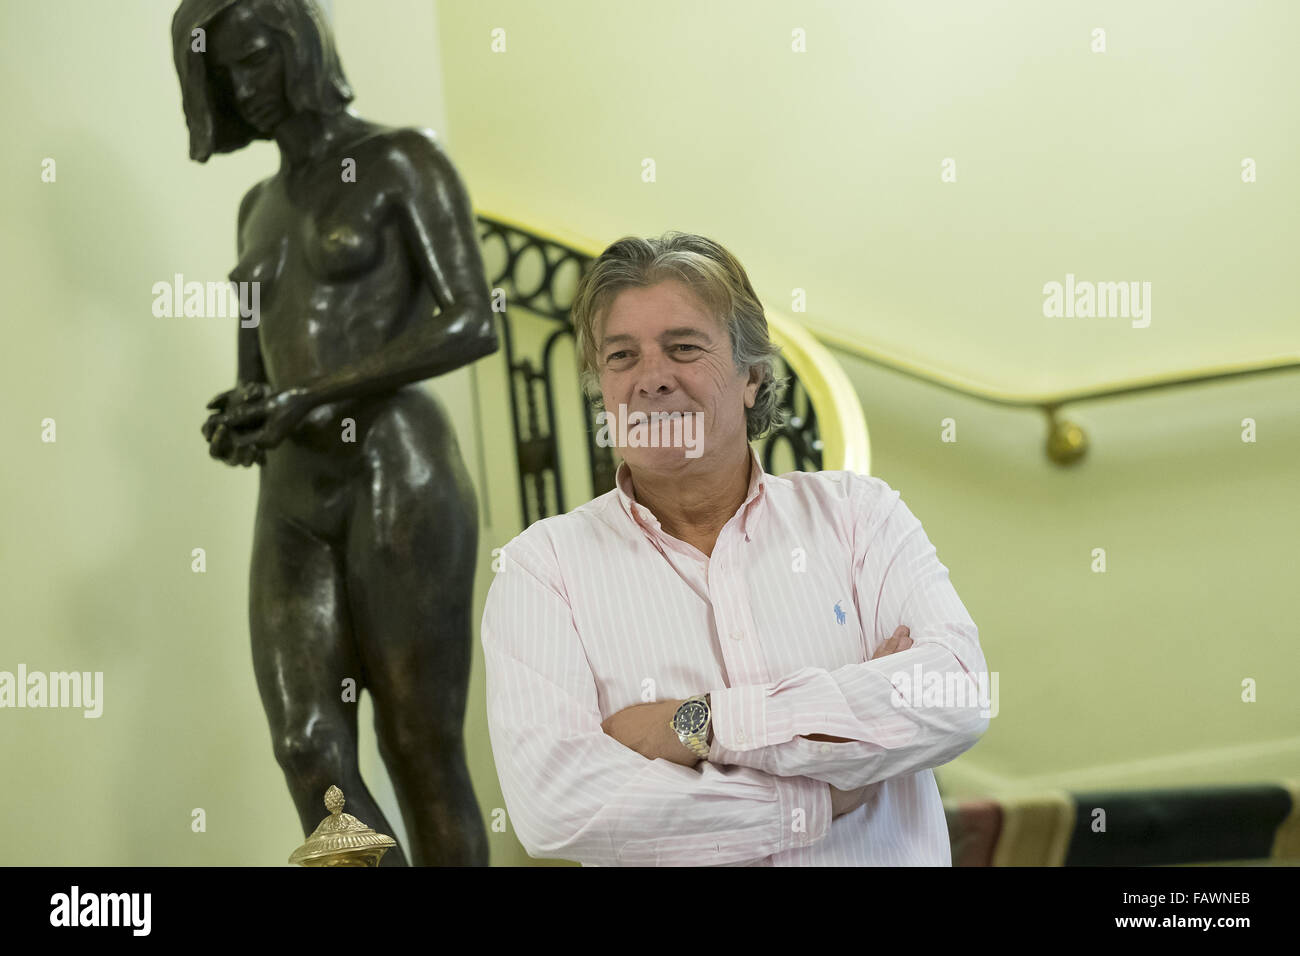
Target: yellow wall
point(820, 173)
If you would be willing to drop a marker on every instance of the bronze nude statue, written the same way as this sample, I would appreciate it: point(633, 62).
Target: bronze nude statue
point(366, 536)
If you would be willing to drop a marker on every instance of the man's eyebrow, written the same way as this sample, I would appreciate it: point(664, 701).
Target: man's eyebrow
point(678, 332)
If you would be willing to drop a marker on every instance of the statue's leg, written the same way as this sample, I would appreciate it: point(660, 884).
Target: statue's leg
point(411, 553)
point(302, 654)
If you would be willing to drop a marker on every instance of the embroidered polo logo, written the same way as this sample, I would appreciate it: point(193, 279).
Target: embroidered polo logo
point(839, 613)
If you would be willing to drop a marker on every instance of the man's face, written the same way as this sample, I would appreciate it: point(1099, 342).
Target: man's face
point(661, 351)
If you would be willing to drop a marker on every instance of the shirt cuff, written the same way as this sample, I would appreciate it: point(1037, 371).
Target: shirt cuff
point(739, 718)
point(813, 798)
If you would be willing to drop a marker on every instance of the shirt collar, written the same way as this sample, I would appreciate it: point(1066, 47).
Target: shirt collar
point(645, 518)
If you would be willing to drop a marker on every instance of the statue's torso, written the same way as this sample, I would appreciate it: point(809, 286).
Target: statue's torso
point(336, 282)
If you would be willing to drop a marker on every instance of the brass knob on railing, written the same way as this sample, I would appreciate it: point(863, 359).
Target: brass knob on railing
point(1066, 441)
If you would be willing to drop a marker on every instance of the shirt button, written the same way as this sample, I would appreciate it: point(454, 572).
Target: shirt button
point(740, 736)
point(826, 748)
point(737, 635)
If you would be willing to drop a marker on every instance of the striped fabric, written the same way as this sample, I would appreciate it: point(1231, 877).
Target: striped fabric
point(598, 610)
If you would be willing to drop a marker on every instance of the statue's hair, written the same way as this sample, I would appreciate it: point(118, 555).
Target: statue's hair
point(313, 76)
point(716, 278)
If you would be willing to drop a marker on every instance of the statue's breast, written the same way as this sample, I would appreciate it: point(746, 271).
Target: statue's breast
point(261, 263)
point(264, 242)
point(326, 235)
point(342, 247)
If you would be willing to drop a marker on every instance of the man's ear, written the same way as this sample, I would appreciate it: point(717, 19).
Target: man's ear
point(751, 387)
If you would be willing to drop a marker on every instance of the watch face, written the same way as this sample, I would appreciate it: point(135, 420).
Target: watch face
point(690, 717)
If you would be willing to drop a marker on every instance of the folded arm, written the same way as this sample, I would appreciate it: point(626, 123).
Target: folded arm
point(888, 726)
point(572, 791)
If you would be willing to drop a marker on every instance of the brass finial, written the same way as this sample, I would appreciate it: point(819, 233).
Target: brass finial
point(341, 839)
point(334, 799)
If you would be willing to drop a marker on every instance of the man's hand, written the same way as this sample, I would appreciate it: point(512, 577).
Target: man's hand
point(645, 729)
point(846, 801)
point(901, 641)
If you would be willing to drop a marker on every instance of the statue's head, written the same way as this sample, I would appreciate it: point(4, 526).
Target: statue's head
point(245, 66)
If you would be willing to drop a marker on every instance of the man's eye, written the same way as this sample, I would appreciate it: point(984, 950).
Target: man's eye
point(613, 356)
point(260, 56)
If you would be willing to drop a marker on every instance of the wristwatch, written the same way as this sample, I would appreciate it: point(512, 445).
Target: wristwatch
point(691, 723)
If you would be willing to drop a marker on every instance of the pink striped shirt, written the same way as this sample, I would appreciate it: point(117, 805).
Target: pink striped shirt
point(598, 610)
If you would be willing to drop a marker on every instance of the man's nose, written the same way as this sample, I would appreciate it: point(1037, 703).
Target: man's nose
point(657, 376)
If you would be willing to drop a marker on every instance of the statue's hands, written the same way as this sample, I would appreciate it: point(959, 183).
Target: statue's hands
point(220, 438)
point(260, 422)
point(243, 392)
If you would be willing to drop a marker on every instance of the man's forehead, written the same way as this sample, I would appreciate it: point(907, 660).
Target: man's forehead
point(634, 315)
point(676, 332)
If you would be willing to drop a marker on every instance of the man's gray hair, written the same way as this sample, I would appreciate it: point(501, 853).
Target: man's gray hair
point(716, 278)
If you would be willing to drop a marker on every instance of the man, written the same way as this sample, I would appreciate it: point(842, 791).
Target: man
point(689, 669)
